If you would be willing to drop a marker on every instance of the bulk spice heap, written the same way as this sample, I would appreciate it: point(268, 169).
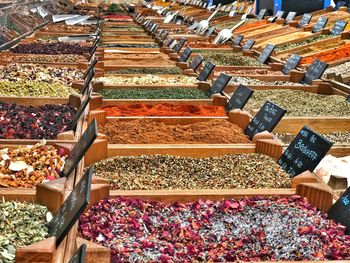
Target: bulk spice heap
point(29, 58)
point(35, 89)
point(163, 109)
point(148, 79)
point(159, 172)
point(202, 44)
point(67, 28)
point(21, 224)
point(251, 81)
point(153, 71)
point(168, 93)
point(249, 229)
point(145, 131)
point(329, 56)
point(130, 62)
point(29, 166)
point(16, 72)
point(342, 69)
point(303, 42)
point(148, 45)
point(51, 48)
point(336, 137)
point(27, 122)
point(253, 72)
point(300, 103)
point(228, 59)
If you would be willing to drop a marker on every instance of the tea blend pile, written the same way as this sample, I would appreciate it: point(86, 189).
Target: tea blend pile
point(301, 103)
point(16, 72)
point(148, 79)
point(302, 43)
point(253, 72)
point(336, 137)
point(35, 89)
point(157, 172)
point(154, 71)
point(168, 93)
point(249, 229)
point(51, 48)
point(229, 59)
point(27, 167)
point(28, 122)
point(146, 131)
point(21, 224)
point(342, 69)
point(251, 81)
point(163, 109)
point(154, 61)
point(62, 27)
point(36, 58)
point(149, 45)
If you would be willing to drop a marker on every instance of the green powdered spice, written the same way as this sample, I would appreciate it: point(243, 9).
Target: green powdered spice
point(155, 71)
point(301, 103)
point(172, 93)
point(229, 59)
point(35, 89)
point(303, 42)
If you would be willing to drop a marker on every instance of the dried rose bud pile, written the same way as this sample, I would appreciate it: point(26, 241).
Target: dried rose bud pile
point(158, 172)
point(51, 48)
point(31, 165)
point(27, 122)
point(35, 58)
point(250, 229)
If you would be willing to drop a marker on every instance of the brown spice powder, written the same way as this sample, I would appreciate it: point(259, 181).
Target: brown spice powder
point(146, 131)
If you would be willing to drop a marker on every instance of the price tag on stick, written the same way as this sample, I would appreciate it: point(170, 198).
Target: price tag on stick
point(186, 54)
point(320, 24)
point(291, 63)
point(207, 70)
point(80, 111)
point(80, 148)
point(340, 211)
point(220, 84)
point(79, 255)
point(179, 45)
point(239, 98)
point(266, 53)
point(249, 44)
point(71, 209)
point(266, 119)
point(305, 152)
point(305, 20)
point(315, 71)
point(196, 62)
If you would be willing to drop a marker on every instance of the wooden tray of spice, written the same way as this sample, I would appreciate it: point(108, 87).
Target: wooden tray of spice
point(315, 193)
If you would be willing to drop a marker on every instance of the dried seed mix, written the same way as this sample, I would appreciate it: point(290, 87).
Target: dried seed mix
point(148, 79)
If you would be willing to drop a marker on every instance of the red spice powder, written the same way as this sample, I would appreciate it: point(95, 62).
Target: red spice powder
point(329, 56)
point(251, 25)
point(163, 109)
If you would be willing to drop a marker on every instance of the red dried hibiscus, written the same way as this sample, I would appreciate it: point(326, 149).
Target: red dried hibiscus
point(251, 229)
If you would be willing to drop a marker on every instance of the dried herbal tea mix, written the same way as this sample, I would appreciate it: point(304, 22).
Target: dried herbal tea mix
point(21, 224)
point(301, 103)
point(35, 58)
point(155, 71)
point(163, 109)
point(249, 229)
point(51, 48)
point(336, 137)
point(342, 69)
point(230, 59)
point(148, 79)
point(17, 72)
point(301, 43)
point(158, 172)
point(168, 93)
point(145, 131)
point(251, 81)
point(28, 166)
point(28, 122)
point(35, 88)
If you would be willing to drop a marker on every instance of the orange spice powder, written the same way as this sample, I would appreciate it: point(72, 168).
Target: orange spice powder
point(329, 56)
point(251, 25)
point(163, 109)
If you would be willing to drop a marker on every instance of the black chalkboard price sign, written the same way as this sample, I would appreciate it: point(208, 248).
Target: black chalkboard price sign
point(338, 27)
point(266, 53)
point(279, 14)
point(80, 148)
point(80, 111)
point(290, 17)
point(196, 62)
point(238, 39)
point(160, 33)
point(320, 24)
point(165, 35)
point(79, 255)
point(291, 63)
point(219, 84)
point(261, 14)
point(315, 71)
point(210, 31)
point(71, 209)
point(348, 99)
point(186, 54)
point(305, 152)
point(87, 81)
point(266, 119)
point(207, 70)
point(249, 44)
point(169, 41)
point(306, 18)
point(180, 44)
point(340, 211)
point(239, 98)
